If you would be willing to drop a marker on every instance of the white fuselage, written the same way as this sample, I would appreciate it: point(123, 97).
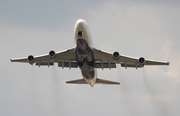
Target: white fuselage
point(82, 32)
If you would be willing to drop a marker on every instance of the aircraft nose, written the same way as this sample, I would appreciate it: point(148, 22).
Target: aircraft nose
point(80, 28)
point(80, 24)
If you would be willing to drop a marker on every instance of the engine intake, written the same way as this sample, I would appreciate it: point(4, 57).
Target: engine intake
point(52, 54)
point(141, 61)
point(30, 59)
point(116, 55)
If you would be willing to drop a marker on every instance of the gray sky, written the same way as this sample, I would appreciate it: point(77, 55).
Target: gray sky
point(142, 28)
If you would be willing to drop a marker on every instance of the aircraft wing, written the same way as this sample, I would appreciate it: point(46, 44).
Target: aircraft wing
point(125, 61)
point(63, 56)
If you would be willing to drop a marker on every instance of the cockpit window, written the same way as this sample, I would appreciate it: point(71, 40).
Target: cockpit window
point(80, 33)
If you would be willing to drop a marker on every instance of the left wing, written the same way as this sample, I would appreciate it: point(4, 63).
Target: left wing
point(47, 59)
point(125, 61)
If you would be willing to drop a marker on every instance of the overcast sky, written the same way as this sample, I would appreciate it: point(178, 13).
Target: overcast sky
point(148, 28)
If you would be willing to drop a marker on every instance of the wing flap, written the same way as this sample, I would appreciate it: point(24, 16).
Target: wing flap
point(105, 65)
point(130, 65)
point(44, 63)
point(68, 64)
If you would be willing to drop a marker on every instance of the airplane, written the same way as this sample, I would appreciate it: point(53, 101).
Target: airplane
point(87, 58)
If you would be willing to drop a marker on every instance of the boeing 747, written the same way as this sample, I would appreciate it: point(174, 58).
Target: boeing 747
point(87, 58)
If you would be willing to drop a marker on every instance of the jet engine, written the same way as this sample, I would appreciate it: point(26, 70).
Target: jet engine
point(52, 54)
point(141, 61)
point(116, 55)
point(30, 59)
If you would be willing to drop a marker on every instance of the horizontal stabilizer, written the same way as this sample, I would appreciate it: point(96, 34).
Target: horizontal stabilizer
point(102, 81)
point(78, 81)
point(98, 81)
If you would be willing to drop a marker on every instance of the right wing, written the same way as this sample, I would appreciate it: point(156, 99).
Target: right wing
point(64, 57)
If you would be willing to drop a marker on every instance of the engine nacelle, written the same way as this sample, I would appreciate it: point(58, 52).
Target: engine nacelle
point(141, 61)
point(30, 59)
point(116, 55)
point(52, 54)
